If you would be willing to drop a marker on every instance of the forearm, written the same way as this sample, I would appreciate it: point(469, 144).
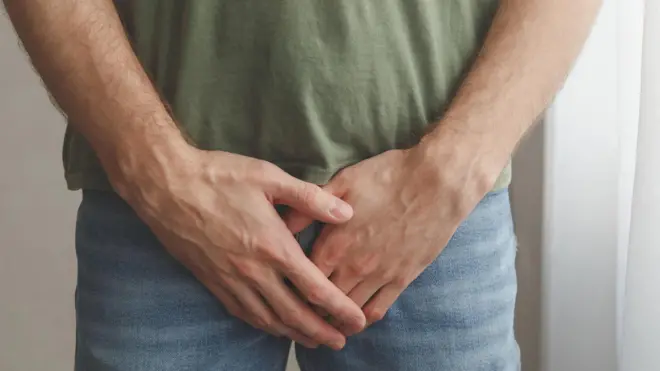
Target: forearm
point(85, 60)
point(527, 54)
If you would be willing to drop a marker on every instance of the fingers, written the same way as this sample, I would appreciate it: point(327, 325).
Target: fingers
point(329, 250)
point(297, 221)
point(365, 290)
point(379, 304)
point(345, 282)
point(311, 201)
point(374, 298)
point(295, 314)
point(254, 311)
point(234, 307)
point(299, 338)
point(315, 287)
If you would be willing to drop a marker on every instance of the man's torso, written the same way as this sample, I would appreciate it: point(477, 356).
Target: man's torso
point(312, 86)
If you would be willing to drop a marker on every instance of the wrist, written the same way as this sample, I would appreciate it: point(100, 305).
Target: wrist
point(139, 162)
point(478, 156)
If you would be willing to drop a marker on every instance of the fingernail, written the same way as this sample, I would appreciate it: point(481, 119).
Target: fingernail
point(341, 210)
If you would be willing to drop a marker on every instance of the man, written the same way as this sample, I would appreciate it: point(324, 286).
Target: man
point(218, 142)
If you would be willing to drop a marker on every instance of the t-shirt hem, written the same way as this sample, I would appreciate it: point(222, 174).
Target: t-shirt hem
point(97, 180)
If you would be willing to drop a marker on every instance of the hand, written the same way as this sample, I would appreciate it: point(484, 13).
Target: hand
point(214, 212)
point(407, 206)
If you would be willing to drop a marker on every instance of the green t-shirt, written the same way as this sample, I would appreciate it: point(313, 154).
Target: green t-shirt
point(310, 85)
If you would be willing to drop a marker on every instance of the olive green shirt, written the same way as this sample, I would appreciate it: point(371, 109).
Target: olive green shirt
point(312, 86)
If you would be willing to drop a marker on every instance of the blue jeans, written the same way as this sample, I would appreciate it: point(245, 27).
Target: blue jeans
point(139, 310)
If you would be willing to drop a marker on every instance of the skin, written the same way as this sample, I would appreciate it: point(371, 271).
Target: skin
point(214, 210)
point(211, 210)
point(408, 203)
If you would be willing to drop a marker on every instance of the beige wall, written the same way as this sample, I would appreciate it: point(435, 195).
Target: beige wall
point(37, 266)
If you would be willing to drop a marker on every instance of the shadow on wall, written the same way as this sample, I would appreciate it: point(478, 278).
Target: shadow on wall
point(527, 205)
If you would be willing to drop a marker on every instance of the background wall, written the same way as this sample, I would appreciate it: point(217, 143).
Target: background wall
point(37, 215)
point(37, 263)
point(590, 140)
point(581, 204)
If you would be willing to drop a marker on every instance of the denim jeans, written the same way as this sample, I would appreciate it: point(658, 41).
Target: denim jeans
point(139, 310)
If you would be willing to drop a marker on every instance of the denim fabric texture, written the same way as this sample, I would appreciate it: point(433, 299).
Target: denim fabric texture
point(138, 309)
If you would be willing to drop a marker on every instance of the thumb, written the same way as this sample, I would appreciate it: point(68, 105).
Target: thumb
point(309, 202)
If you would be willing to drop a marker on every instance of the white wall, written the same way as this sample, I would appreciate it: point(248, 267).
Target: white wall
point(588, 183)
point(629, 46)
point(641, 331)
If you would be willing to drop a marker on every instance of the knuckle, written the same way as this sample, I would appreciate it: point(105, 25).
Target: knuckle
point(259, 245)
point(251, 242)
point(264, 322)
point(307, 193)
point(291, 319)
point(317, 296)
point(257, 172)
point(268, 252)
point(247, 269)
point(263, 169)
point(359, 270)
point(388, 274)
point(334, 250)
point(400, 282)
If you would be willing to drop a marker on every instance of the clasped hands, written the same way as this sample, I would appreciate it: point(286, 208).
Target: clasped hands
point(387, 218)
